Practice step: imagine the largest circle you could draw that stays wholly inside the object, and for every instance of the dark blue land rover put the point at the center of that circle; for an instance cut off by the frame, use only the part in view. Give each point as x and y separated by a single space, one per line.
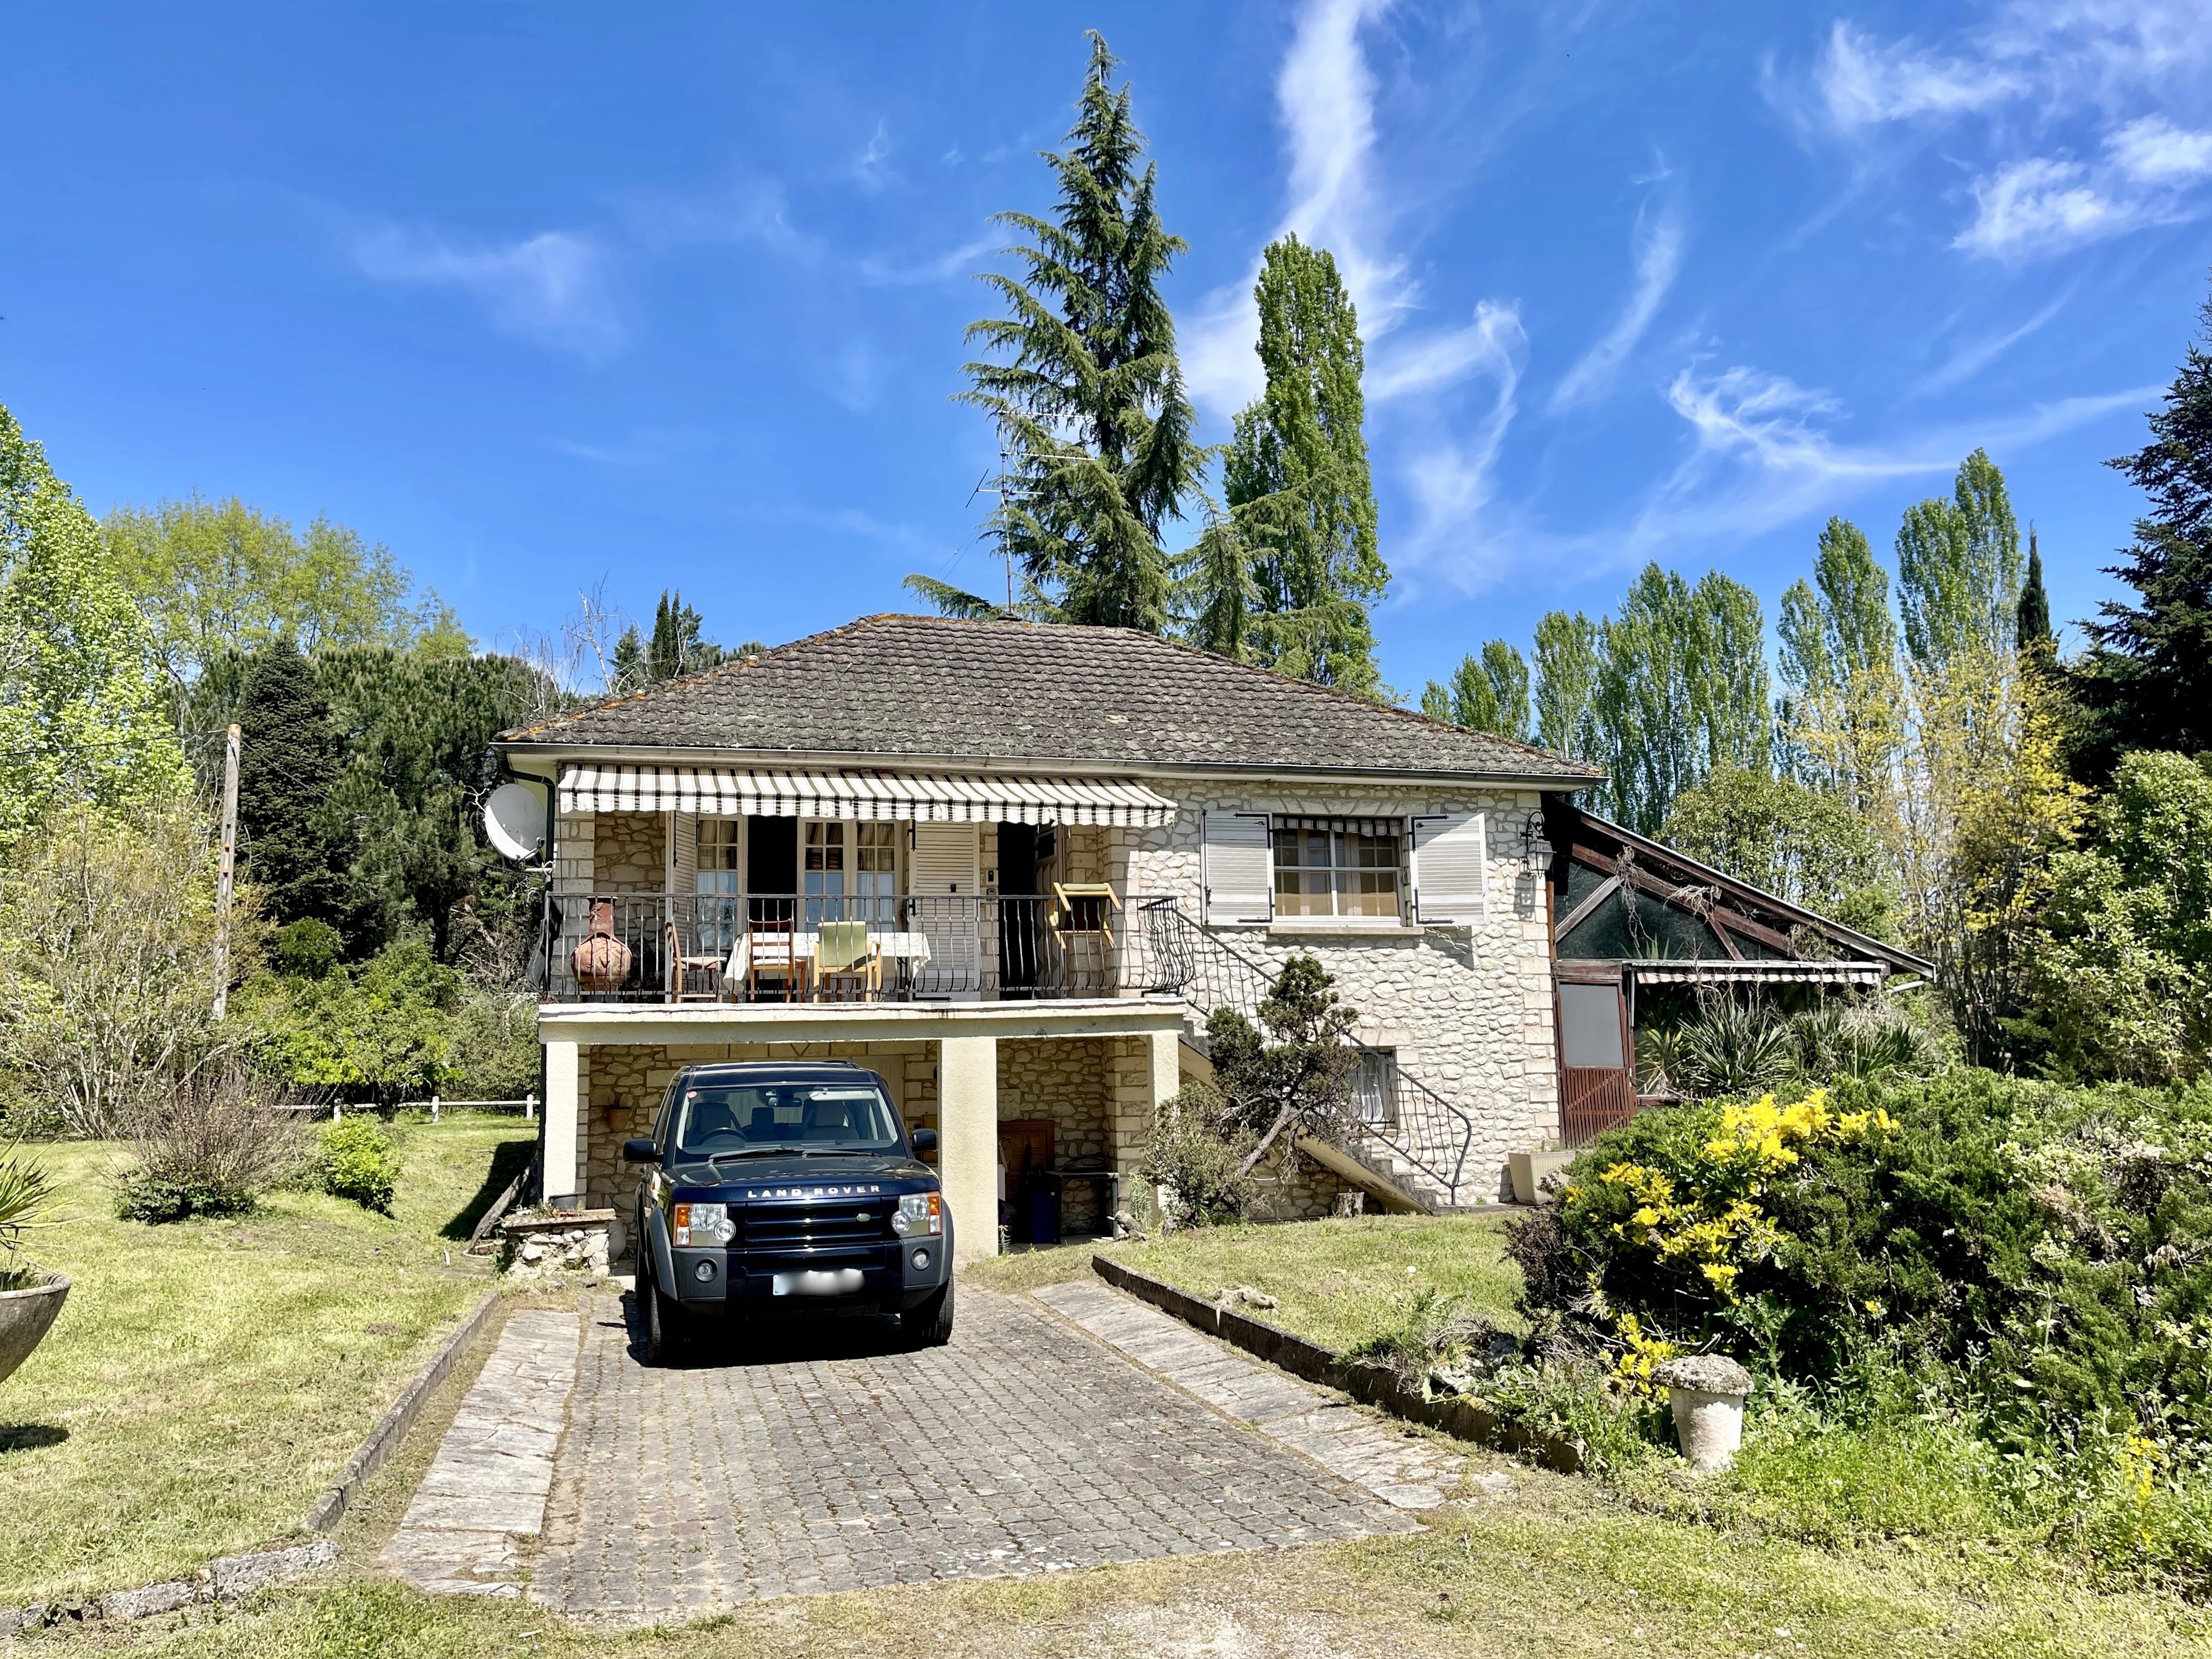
776 1188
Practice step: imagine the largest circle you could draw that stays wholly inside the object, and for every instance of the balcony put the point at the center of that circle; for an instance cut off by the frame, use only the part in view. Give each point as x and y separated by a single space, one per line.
666 948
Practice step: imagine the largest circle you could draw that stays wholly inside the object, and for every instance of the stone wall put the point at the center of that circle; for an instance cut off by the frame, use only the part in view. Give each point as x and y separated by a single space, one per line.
625 1083
1469 1010
628 853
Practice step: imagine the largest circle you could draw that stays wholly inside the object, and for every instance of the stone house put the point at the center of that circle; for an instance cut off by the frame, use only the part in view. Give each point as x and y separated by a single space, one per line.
1010 867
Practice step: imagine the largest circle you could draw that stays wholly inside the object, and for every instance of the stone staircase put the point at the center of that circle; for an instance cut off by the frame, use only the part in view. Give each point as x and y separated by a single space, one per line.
1419 1165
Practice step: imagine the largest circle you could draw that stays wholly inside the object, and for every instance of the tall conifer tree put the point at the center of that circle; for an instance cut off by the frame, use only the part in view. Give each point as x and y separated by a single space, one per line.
2031 631
1296 478
1085 384
2148 679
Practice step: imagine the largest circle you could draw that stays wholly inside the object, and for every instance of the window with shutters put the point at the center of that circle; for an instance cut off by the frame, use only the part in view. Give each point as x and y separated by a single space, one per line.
1337 867
851 869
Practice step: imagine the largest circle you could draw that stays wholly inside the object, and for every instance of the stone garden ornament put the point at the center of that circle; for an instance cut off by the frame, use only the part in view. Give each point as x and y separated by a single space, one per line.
1707 1392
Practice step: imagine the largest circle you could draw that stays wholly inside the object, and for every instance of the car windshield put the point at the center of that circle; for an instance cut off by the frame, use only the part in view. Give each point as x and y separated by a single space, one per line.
714 1120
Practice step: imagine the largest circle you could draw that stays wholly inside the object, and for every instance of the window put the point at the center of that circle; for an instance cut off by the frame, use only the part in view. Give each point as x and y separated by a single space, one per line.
731 1122
1336 868
1375 1088
851 871
716 882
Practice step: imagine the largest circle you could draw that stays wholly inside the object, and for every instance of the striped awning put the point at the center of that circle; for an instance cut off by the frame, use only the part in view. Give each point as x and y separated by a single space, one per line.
1770 970
928 797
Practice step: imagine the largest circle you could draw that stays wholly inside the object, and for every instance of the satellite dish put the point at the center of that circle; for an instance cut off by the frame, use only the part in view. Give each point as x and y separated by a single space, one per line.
514 820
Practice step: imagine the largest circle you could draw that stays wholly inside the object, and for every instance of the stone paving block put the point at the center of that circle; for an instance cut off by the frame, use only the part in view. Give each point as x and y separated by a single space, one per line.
494 1470
830 1457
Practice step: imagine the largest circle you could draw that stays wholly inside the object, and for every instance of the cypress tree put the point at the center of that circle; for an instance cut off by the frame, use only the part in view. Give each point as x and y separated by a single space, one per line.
287 770
2148 679
2032 633
1297 477
1085 387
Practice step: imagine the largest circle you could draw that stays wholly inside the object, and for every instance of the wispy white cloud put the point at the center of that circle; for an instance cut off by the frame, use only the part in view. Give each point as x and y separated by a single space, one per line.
872 168
2150 175
2119 68
552 287
890 270
1658 254
1863 82
1453 479
1325 93
1972 359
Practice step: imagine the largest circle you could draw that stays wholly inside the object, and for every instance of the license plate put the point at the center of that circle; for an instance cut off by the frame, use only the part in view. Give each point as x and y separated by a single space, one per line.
822 1281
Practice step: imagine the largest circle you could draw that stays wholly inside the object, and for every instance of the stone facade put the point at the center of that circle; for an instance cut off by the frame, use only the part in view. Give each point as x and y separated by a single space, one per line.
1469 1011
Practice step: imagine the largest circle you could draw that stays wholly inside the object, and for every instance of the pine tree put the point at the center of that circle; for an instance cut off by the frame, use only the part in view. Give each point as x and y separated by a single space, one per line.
1296 477
1086 390
2148 679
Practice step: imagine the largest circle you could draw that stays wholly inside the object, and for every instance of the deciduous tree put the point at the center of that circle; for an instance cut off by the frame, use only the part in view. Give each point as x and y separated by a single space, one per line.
1296 478
1489 693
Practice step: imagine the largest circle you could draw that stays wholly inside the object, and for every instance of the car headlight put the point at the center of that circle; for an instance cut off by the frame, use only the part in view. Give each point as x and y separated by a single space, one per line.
919 1212
703 1224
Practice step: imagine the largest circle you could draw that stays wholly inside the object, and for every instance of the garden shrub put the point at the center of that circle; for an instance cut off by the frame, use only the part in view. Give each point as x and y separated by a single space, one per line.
211 1148
358 1160
1981 1301
1197 1152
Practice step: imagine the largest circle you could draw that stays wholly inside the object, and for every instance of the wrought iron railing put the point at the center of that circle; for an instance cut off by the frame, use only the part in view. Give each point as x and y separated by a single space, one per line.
686 947
1418 1126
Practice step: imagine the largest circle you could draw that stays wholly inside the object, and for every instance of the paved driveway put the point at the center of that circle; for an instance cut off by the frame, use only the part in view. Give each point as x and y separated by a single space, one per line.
827 1459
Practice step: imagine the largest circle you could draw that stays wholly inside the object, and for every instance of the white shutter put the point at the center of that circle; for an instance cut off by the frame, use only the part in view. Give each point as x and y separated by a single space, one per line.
1239 871
948 859
681 863
1451 869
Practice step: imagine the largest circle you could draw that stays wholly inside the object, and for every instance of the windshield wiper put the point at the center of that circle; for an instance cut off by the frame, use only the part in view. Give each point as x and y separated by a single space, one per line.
843 1151
751 1152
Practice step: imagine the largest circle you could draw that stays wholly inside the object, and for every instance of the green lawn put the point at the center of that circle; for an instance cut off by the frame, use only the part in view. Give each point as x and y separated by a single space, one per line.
1551 1571
1340 1282
208 1379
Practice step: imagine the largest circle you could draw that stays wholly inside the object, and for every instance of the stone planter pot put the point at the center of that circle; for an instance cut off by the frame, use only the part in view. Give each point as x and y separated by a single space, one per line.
600 962
1706 1393
25 1318
1530 1169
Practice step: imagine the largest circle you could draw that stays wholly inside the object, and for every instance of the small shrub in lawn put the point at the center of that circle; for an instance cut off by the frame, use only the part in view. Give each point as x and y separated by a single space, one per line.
211 1146
358 1160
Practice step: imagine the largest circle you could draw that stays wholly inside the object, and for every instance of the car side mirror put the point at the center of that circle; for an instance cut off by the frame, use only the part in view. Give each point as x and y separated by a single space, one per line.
641 1150
925 1140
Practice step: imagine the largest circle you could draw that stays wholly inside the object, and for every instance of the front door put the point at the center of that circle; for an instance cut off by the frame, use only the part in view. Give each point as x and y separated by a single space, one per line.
1597 1078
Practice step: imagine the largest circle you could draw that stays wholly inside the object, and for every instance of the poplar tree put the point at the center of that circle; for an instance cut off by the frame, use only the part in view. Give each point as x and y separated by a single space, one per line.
1958 567
1842 715
1296 477
1566 685
1489 693
1085 384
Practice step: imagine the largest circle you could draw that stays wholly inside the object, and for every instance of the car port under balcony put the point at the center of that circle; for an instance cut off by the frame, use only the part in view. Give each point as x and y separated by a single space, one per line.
1063 1090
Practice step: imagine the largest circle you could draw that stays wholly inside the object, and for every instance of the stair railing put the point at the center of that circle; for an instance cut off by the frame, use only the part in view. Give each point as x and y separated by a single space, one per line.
1434 1138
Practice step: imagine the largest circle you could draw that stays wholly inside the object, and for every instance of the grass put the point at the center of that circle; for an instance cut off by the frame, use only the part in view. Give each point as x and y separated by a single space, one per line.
1550 1571
208 1379
1340 1282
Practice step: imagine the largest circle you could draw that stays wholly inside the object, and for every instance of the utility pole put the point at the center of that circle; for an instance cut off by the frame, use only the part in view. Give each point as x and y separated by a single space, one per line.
225 868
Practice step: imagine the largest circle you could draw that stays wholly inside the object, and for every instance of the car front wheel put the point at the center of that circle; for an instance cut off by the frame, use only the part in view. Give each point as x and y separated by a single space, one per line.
666 1331
930 1325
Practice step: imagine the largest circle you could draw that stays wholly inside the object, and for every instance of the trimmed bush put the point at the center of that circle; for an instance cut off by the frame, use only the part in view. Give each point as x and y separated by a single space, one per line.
358 1160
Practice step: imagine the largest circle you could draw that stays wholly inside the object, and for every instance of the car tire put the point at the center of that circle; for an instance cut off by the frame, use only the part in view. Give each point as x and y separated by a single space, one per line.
930 1324
667 1331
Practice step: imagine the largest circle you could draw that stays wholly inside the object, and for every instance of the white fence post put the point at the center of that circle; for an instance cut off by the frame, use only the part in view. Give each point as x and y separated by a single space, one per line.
433 1108
530 1107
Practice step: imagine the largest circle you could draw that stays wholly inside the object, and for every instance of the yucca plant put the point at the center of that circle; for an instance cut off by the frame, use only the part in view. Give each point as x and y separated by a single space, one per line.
26 1193
1734 1048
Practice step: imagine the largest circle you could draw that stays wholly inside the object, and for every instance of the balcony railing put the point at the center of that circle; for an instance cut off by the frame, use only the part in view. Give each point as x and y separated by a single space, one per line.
684 947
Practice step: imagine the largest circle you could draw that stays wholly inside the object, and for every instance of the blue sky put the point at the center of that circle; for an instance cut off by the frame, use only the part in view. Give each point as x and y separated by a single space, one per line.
546 295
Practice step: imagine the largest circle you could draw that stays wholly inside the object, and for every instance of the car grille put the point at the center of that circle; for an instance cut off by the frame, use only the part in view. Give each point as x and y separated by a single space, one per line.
816 1226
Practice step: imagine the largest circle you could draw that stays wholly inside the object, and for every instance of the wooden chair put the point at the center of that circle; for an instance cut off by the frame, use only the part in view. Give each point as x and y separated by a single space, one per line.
845 955
694 970
774 956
